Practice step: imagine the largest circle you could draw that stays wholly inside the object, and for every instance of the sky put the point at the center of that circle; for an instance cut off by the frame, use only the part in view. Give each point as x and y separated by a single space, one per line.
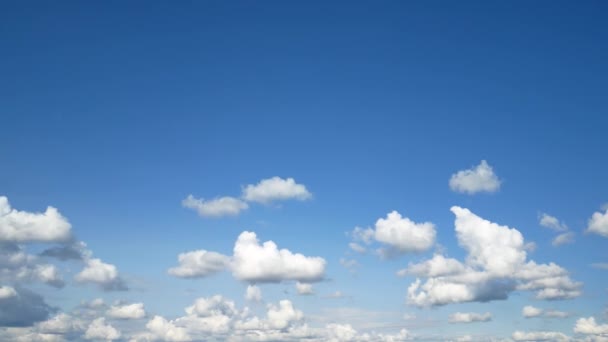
303 171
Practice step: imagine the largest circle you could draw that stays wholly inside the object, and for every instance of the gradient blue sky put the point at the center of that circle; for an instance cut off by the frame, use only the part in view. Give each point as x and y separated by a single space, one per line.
113 112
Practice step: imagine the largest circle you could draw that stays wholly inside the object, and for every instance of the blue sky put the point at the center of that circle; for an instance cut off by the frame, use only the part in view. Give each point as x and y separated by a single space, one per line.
336 114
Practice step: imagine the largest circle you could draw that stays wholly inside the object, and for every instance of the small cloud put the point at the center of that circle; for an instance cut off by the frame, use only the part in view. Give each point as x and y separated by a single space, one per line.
469 317
480 178
552 222
218 207
562 239
275 189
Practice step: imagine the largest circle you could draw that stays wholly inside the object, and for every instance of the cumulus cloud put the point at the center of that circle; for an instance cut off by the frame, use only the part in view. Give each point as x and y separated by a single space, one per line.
104 275
253 293
263 263
99 330
496 265
167 331
530 311
60 324
7 292
399 234
223 206
480 178
17 265
275 189
127 311
539 336
304 289
22 308
469 317
199 264
552 222
23 226
598 223
589 326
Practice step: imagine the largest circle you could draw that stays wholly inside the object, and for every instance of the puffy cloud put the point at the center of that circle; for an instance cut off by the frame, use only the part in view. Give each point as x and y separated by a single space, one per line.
469 317
589 326
280 316
23 309
23 226
598 223
304 289
103 274
495 266
127 311
539 336
552 222
435 267
563 239
400 234
404 235
99 330
223 206
167 331
340 332
60 324
17 265
275 189
253 293
266 263
198 264
530 311
7 292
480 178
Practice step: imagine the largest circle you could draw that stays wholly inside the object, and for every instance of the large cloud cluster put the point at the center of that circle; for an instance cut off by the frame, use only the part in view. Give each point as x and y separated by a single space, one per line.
496 265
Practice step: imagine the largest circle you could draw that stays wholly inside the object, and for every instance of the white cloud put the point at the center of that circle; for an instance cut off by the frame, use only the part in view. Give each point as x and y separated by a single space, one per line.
403 234
435 267
103 274
198 264
304 289
598 223
556 314
61 324
469 317
563 239
400 234
253 293
530 311
23 226
552 222
217 207
167 331
589 326
477 179
99 330
280 316
127 311
266 263
7 292
495 266
275 189
539 336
